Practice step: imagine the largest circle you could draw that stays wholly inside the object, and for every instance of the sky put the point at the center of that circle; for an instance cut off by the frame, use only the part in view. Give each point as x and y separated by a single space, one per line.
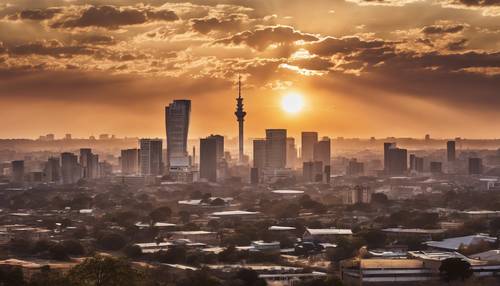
362 67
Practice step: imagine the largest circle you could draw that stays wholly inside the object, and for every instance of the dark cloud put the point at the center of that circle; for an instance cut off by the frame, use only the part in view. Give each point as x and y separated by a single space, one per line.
442 29
329 46
477 3
457 45
50 48
230 23
39 14
262 38
113 17
97 40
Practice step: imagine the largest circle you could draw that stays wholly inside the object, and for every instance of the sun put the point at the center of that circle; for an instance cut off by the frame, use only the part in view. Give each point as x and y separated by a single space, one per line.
292 102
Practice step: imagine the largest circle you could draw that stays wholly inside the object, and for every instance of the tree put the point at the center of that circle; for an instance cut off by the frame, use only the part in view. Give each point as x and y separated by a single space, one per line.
198 278
175 254
73 247
104 271
329 281
160 214
111 241
250 278
455 268
132 251
11 276
58 252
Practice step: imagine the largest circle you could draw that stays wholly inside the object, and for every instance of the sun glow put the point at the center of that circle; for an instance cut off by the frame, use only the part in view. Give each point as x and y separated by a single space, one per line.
292 102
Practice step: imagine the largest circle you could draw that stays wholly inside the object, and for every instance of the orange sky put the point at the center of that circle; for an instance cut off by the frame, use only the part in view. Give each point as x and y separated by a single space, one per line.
94 67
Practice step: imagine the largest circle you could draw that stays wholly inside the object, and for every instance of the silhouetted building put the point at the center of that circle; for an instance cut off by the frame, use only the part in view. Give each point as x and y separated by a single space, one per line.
397 160
177 126
419 164
90 163
275 148
450 150
412 162
259 154
322 151
208 159
52 170
254 176
387 146
436 167
17 171
291 153
150 155
313 171
240 116
357 195
475 166
71 171
105 169
355 168
309 139
130 161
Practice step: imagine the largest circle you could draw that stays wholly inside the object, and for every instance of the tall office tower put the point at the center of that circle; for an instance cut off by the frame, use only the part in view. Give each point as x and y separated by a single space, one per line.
419 164
412 162
397 160
53 170
276 148
17 171
387 146
89 163
475 166
254 176
355 168
322 151
436 167
313 171
291 153
219 142
208 159
450 150
150 157
259 154
177 127
240 117
71 171
130 161
309 139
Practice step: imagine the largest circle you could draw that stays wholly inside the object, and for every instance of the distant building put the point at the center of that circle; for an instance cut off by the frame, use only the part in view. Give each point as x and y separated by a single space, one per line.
357 195
52 170
395 159
254 176
312 171
259 154
67 136
208 159
436 167
309 139
71 171
276 148
450 151
322 151
150 155
355 168
129 161
419 164
412 162
177 126
291 153
17 171
475 166
89 163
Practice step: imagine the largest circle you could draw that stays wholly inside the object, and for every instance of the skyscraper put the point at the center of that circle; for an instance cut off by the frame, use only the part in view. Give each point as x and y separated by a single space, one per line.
436 167
130 161
395 159
276 148
475 166
240 116
150 157
17 171
450 150
53 170
219 142
177 127
322 151
309 139
259 154
387 146
89 163
71 171
291 153
208 159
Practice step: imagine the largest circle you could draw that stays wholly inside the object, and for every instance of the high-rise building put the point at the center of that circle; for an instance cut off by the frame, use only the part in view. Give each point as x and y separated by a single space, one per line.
150 157
130 161
259 154
397 160
450 150
208 159
419 164
17 171
355 168
177 127
53 170
67 136
322 151
412 162
276 148
309 139
219 142
475 166
312 171
90 163
71 171
240 116
291 153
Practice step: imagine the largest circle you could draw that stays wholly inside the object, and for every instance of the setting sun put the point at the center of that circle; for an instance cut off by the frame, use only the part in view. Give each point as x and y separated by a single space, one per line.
292 102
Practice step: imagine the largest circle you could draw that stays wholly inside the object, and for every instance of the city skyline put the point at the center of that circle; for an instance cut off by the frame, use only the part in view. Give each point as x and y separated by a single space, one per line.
100 68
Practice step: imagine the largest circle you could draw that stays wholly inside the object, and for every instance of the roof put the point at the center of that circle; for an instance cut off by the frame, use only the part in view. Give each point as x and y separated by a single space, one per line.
328 231
413 230
490 255
230 213
193 232
288 192
455 242
391 263
277 227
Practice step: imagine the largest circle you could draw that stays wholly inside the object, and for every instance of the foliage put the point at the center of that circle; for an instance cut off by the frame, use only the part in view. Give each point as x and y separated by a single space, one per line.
455 268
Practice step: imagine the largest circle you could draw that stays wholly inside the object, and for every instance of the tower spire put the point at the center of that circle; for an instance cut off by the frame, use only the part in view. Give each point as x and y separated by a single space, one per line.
240 117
